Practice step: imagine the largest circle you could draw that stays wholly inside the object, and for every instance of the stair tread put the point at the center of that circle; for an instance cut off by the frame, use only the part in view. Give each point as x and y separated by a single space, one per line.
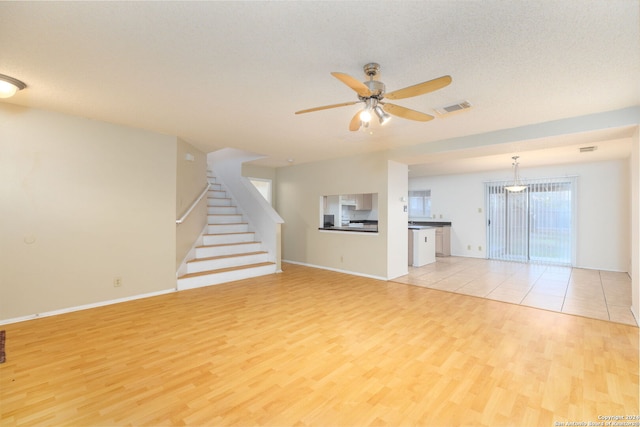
230 223
227 244
222 270
227 234
211 258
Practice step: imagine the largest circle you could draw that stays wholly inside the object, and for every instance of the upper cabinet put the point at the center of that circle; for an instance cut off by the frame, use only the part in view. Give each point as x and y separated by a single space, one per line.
364 202
348 199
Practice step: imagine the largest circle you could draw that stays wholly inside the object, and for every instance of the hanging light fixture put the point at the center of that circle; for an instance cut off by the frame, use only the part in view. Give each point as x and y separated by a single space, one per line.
517 182
9 86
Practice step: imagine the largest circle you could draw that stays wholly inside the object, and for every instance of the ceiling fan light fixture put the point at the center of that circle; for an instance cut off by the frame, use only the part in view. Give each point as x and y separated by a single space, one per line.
365 116
382 116
9 86
373 91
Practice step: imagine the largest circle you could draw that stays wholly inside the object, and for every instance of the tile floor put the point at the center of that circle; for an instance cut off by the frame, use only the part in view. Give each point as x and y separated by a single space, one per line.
597 294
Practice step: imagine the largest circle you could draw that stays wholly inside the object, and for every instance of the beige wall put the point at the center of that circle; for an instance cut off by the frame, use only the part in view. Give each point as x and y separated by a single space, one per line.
299 190
191 179
82 202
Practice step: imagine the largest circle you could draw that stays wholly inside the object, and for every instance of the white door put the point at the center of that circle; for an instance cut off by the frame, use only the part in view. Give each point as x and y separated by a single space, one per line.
535 224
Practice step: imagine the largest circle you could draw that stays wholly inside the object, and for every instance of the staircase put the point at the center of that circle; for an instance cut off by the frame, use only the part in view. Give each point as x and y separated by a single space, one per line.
229 250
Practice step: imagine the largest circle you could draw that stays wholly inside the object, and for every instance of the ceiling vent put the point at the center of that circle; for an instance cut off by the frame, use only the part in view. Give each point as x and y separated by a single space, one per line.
455 108
588 149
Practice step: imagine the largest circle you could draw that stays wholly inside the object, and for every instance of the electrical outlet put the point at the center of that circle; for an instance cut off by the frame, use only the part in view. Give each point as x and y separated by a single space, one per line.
117 282
479 210
479 248
341 258
468 247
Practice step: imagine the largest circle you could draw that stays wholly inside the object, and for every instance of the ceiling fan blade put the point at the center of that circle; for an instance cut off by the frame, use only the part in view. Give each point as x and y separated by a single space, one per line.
406 113
355 84
326 107
420 88
355 122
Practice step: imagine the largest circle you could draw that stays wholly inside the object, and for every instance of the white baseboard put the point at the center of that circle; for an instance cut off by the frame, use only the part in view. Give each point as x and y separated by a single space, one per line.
84 307
337 270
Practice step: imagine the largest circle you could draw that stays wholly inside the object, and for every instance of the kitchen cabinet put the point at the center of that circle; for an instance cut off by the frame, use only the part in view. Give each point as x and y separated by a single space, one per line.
364 202
422 246
348 199
443 241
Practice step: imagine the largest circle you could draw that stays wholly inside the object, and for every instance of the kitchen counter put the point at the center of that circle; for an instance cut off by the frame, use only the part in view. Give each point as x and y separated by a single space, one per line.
365 226
365 229
430 223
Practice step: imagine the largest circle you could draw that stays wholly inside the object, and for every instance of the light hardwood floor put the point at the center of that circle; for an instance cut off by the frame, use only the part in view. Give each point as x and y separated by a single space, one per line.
309 347
598 294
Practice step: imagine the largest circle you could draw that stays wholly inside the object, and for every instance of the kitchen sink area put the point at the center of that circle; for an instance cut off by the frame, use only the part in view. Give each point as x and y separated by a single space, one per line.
366 226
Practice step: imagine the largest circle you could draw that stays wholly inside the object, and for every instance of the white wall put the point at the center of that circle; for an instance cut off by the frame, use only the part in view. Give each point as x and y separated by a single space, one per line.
635 224
397 237
250 170
82 202
603 210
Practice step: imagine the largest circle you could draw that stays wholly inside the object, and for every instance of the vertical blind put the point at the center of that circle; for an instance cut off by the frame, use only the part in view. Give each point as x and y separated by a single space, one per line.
533 225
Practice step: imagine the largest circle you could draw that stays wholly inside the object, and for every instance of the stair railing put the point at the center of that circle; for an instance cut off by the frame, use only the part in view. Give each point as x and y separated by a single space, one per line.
193 205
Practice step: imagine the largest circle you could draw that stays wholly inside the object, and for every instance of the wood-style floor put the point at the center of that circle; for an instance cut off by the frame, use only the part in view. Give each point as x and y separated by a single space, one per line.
309 347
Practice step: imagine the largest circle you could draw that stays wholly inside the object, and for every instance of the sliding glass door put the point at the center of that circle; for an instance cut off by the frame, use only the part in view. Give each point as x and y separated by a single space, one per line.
533 225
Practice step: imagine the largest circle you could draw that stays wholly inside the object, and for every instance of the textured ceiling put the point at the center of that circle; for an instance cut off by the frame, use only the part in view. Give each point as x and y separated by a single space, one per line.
221 74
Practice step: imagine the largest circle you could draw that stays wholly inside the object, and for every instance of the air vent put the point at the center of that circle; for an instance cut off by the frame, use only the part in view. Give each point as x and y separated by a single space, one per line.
455 108
588 149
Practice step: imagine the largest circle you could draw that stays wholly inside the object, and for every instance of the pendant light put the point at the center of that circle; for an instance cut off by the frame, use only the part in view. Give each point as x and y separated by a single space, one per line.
517 183
9 86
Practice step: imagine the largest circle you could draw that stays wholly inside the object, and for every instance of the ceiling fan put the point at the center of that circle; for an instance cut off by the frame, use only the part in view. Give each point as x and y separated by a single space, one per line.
372 92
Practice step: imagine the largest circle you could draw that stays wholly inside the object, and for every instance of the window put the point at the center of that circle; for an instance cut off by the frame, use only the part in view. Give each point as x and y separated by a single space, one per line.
263 186
420 204
534 225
